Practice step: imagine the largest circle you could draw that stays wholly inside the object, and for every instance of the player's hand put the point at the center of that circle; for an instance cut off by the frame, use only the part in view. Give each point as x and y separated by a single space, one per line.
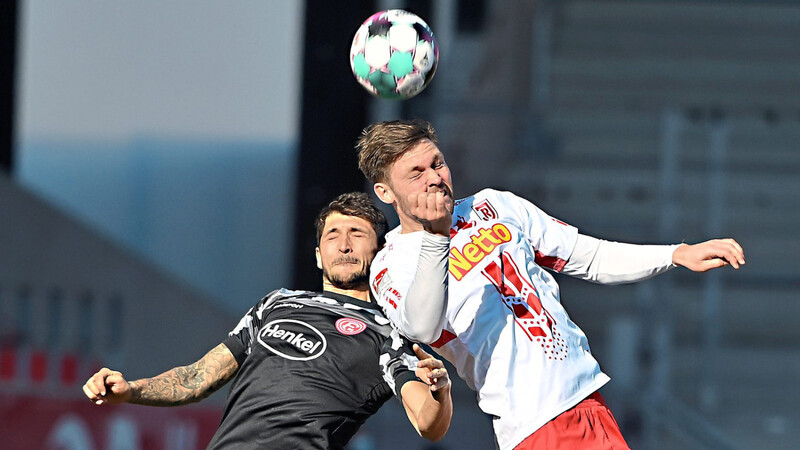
709 255
431 371
107 386
433 210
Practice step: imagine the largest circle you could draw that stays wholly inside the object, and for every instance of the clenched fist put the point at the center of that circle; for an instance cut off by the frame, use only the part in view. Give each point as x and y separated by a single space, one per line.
433 210
107 386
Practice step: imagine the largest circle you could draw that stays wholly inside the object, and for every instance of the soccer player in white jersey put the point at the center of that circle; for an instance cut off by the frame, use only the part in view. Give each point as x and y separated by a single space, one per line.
468 276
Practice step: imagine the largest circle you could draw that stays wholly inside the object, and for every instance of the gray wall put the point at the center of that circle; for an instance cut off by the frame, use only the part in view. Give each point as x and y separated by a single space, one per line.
115 309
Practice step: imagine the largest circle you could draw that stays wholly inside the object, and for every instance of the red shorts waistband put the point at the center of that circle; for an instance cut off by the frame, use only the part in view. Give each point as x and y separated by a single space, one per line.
594 399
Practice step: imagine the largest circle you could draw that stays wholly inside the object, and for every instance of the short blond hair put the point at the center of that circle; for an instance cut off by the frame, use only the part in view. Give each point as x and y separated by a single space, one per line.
383 143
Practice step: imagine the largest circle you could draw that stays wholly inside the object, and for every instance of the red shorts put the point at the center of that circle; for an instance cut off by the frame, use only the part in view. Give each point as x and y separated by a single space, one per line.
587 425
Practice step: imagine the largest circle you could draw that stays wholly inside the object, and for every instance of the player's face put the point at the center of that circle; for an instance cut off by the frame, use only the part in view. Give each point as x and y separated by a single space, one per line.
421 169
346 249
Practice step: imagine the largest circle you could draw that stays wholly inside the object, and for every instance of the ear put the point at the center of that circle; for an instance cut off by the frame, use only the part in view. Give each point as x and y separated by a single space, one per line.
384 193
319 260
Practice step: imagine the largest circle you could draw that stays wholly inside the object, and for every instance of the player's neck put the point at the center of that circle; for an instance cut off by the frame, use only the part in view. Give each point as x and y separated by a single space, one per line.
360 293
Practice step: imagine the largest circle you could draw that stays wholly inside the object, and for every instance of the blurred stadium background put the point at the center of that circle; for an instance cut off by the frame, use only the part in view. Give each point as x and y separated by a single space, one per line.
162 163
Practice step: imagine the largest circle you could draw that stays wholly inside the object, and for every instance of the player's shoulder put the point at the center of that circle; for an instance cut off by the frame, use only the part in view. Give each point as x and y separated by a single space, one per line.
345 305
397 242
484 194
485 201
284 294
391 236
288 293
396 343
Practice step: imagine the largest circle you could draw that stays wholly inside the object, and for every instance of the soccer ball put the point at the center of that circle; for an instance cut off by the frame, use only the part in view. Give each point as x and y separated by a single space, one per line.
394 54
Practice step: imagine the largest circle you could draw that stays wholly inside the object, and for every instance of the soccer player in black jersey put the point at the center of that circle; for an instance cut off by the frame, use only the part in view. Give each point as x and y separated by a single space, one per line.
308 368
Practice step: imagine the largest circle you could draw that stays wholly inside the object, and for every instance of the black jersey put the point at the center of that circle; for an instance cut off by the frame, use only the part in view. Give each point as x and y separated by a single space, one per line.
312 368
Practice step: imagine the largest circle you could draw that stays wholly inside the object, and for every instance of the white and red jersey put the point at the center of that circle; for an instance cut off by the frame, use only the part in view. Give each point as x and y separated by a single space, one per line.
506 331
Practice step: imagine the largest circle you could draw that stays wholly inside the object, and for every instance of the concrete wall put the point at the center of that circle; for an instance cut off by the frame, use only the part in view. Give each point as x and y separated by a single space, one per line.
65 290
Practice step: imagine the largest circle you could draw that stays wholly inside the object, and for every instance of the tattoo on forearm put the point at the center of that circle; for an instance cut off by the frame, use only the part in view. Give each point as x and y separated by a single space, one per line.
187 384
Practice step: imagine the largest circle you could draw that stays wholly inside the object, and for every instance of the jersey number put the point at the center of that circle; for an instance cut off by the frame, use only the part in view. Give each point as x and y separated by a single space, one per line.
520 297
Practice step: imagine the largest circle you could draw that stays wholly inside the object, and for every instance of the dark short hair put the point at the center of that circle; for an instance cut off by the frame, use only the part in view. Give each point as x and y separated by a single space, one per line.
383 143
355 204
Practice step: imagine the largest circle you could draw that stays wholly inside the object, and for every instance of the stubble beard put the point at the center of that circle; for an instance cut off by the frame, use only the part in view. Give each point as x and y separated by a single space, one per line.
349 281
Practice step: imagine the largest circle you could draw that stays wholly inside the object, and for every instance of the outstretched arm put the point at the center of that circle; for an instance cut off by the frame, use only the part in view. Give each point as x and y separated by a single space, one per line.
609 262
428 405
178 386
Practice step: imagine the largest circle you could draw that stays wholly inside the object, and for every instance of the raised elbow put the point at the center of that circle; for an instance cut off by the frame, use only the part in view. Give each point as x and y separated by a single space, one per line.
424 335
433 433
424 329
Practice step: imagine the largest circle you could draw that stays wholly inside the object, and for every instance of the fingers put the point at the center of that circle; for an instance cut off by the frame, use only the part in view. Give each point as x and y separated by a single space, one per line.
92 396
429 206
421 353
115 382
426 360
727 250
438 379
710 264
434 372
711 255
736 245
438 203
96 388
736 256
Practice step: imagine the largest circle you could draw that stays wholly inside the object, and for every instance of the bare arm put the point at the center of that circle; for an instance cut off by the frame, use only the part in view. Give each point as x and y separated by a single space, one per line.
428 405
178 386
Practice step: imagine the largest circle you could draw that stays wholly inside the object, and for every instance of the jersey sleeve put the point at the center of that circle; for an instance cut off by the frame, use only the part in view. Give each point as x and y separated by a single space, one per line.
409 282
398 362
607 262
551 239
240 340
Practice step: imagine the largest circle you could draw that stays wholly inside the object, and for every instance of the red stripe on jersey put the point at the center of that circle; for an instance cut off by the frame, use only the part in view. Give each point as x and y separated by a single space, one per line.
443 339
551 262
376 283
510 271
495 275
525 293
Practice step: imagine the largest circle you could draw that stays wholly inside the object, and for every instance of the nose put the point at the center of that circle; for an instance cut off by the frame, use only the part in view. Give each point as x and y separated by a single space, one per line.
345 245
434 178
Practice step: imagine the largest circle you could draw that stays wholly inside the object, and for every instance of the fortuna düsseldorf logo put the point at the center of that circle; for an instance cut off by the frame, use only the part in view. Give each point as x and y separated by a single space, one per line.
293 339
349 326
